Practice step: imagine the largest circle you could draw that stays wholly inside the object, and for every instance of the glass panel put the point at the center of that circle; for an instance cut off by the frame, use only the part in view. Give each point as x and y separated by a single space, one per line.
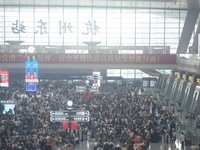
164 71
174 86
126 51
68 26
57 26
185 96
142 27
2 2
41 26
140 74
85 3
57 2
127 73
99 3
85 22
172 29
99 16
113 72
179 91
114 3
43 2
194 101
157 27
128 27
27 2
13 2
27 18
71 2
1 26
113 27
13 24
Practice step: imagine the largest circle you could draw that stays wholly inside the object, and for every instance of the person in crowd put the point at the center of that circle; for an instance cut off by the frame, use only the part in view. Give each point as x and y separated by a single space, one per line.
120 118
182 139
199 147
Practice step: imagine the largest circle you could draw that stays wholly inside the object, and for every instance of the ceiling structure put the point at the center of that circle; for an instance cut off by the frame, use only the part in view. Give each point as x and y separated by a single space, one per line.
159 4
189 5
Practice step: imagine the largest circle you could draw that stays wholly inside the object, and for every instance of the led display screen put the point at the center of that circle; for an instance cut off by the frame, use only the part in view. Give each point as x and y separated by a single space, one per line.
30 87
31 72
8 107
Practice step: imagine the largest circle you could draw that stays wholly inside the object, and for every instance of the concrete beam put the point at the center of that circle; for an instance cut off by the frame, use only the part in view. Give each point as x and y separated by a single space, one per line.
188 28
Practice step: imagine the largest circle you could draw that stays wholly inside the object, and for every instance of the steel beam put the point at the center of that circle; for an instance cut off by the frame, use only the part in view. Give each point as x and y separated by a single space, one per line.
188 28
194 47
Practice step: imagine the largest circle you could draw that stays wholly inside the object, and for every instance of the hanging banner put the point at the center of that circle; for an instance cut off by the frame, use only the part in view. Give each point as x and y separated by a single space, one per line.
65 125
74 125
92 58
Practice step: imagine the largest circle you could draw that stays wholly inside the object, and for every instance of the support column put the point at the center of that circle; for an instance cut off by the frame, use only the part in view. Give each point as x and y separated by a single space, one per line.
188 28
194 48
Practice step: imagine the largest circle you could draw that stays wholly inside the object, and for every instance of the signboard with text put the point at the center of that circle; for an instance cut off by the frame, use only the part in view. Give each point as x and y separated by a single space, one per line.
31 87
92 58
70 115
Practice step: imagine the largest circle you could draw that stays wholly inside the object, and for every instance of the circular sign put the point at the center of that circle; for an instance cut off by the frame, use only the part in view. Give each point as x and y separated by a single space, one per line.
31 49
69 103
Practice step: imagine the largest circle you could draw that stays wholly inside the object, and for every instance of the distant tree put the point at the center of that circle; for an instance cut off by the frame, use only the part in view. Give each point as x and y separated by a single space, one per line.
1 108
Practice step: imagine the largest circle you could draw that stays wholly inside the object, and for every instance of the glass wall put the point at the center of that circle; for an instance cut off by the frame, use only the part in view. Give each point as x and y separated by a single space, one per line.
72 23
133 73
127 73
111 26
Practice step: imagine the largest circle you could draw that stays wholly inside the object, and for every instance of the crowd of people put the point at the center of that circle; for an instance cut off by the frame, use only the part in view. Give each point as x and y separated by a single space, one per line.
130 120
121 117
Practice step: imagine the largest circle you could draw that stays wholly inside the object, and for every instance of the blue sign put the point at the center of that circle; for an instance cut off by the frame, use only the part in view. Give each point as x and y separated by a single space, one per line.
31 88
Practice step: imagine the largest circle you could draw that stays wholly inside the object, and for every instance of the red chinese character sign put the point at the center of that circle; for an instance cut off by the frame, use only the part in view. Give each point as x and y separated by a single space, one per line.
87 95
92 58
65 125
74 125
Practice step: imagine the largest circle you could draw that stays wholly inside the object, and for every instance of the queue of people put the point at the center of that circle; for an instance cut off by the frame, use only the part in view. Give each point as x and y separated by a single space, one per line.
120 118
